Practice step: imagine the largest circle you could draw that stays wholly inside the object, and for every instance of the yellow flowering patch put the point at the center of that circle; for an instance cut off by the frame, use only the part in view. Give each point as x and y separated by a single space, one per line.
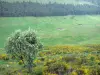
4 57
74 73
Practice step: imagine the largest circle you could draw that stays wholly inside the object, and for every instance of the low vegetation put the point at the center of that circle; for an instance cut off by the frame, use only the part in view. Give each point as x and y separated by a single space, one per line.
71 46
58 60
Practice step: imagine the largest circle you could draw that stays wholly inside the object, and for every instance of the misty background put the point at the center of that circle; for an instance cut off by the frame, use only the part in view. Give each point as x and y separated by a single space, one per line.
49 7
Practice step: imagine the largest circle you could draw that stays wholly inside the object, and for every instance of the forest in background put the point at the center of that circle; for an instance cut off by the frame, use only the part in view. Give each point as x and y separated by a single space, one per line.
50 9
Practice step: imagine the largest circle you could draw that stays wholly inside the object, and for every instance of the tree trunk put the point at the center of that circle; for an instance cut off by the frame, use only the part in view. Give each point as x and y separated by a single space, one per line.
30 64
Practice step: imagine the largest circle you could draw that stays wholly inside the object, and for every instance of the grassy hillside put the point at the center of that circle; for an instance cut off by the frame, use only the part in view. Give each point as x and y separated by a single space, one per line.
55 30
57 1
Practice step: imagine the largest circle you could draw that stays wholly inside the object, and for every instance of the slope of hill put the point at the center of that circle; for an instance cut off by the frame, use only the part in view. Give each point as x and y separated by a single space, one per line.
59 30
75 2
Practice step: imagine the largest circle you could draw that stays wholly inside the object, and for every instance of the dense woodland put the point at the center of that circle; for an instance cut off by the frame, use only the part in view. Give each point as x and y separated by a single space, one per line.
51 9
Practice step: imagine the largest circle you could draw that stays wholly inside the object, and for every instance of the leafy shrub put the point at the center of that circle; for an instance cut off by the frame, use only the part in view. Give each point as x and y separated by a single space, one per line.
74 73
69 58
20 62
4 57
57 67
38 70
23 45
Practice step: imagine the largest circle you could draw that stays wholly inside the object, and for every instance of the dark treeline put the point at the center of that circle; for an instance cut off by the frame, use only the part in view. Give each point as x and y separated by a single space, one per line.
51 9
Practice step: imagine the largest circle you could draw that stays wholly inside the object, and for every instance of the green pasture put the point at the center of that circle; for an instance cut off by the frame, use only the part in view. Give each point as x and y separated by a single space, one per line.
58 30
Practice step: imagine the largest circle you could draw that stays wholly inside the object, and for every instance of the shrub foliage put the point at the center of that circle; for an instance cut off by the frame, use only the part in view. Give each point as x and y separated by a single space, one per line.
24 46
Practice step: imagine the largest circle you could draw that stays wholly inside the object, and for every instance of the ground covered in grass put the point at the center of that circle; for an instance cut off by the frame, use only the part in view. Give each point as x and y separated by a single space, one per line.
57 60
71 45
60 30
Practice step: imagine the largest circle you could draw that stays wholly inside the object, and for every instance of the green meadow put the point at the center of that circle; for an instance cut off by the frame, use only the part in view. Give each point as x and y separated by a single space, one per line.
71 45
58 30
